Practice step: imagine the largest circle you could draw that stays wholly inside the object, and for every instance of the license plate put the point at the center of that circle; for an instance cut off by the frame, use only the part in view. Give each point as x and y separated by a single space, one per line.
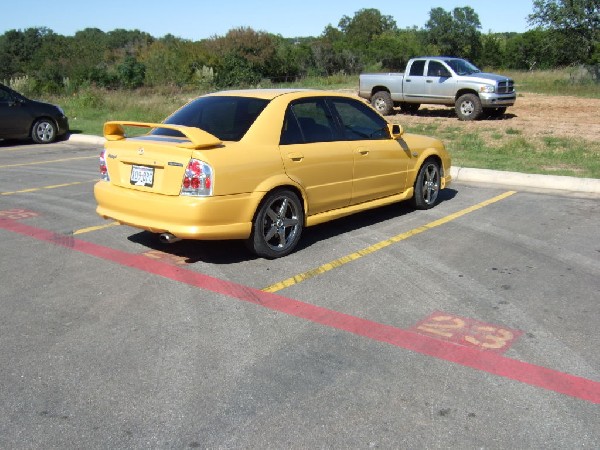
142 176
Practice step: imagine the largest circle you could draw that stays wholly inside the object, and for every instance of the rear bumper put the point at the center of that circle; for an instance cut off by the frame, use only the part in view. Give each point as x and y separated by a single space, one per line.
205 218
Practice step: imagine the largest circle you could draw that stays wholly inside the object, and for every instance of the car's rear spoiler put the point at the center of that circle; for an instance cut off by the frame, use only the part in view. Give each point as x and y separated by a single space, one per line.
114 131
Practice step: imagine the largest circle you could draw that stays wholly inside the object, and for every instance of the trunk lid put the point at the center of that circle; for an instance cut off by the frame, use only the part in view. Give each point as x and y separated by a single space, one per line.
152 163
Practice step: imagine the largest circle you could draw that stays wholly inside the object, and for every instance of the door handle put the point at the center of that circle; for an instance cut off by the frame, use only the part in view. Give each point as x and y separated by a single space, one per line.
429 81
295 156
362 151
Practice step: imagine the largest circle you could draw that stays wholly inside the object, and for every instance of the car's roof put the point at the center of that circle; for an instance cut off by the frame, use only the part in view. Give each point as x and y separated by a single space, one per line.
444 58
270 94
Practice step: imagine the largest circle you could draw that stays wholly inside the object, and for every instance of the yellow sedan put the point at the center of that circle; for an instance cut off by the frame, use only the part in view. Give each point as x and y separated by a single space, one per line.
261 165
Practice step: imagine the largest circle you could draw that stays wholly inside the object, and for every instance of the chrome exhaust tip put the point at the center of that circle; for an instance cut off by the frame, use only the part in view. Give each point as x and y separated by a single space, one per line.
168 238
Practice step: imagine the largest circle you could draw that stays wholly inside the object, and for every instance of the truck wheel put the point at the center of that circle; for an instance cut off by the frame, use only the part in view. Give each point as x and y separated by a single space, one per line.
468 107
382 102
410 108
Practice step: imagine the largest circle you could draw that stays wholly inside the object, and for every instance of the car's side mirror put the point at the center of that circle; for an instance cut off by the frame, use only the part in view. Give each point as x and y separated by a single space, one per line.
396 130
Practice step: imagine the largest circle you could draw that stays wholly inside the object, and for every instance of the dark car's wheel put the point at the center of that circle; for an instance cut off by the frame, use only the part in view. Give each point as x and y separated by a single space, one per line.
468 107
43 131
277 225
427 185
382 102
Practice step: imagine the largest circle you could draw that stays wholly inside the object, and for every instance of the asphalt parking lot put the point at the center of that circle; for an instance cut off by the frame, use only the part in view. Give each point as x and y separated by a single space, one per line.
471 325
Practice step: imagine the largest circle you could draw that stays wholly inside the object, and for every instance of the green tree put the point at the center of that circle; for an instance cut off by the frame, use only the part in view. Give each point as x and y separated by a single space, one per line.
250 54
392 50
574 26
18 49
455 33
131 73
364 38
173 61
365 25
492 50
530 50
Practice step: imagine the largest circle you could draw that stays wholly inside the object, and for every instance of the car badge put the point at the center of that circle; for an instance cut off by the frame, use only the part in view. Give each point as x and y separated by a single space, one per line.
141 151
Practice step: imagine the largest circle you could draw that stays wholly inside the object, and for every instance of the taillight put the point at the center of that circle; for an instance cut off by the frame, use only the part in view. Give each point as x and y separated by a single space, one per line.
198 179
103 169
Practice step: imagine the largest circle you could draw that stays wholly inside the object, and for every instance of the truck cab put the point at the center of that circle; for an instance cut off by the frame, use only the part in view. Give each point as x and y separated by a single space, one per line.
440 80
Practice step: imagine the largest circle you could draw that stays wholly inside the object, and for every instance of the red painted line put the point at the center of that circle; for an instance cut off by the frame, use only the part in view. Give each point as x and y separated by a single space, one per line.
490 362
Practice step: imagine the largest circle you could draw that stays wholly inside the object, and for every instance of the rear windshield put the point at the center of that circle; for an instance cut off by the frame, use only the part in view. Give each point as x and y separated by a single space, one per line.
227 118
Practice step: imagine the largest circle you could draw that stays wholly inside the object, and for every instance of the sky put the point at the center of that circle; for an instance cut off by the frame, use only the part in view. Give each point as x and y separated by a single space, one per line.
201 19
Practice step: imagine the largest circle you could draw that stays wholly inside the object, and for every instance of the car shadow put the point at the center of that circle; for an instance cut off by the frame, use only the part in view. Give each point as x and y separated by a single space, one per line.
234 251
13 142
29 141
449 113
315 235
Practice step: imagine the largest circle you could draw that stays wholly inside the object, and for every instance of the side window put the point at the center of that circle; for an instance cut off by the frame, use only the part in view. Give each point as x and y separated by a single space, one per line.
312 118
359 121
417 68
5 97
437 69
290 134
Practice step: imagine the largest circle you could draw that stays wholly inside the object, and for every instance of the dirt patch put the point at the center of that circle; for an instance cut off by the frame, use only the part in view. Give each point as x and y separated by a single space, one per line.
533 115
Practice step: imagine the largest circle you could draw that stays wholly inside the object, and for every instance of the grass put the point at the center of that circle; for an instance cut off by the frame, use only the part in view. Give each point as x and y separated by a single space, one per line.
89 109
573 81
484 148
510 151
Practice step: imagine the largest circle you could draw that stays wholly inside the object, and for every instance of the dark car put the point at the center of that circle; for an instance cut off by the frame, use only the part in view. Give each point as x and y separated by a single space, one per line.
22 118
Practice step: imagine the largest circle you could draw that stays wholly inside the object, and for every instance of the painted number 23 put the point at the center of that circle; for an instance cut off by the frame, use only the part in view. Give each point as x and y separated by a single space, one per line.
480 335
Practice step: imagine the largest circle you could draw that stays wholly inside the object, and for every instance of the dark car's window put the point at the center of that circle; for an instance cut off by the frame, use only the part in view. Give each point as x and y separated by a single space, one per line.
359 121
5 96
417 68
437 69
227 118
308 120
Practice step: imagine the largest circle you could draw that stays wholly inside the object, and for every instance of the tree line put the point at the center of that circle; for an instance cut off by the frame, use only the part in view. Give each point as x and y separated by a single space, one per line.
566 32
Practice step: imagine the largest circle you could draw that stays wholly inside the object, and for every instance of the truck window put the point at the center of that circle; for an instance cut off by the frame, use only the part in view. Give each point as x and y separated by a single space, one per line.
417 68
437 69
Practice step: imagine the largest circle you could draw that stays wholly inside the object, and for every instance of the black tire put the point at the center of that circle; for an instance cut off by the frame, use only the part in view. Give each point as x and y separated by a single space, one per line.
410 108
277 225
427 185
43 131
468 107
382 102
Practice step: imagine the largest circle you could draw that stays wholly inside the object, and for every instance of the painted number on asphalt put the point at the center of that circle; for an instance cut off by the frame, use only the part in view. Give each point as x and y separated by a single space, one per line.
166 257
17 214
467 332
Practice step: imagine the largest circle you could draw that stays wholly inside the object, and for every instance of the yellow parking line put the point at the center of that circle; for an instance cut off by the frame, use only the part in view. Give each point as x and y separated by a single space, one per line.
46 162
96 228
22 191
373 248
47 187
